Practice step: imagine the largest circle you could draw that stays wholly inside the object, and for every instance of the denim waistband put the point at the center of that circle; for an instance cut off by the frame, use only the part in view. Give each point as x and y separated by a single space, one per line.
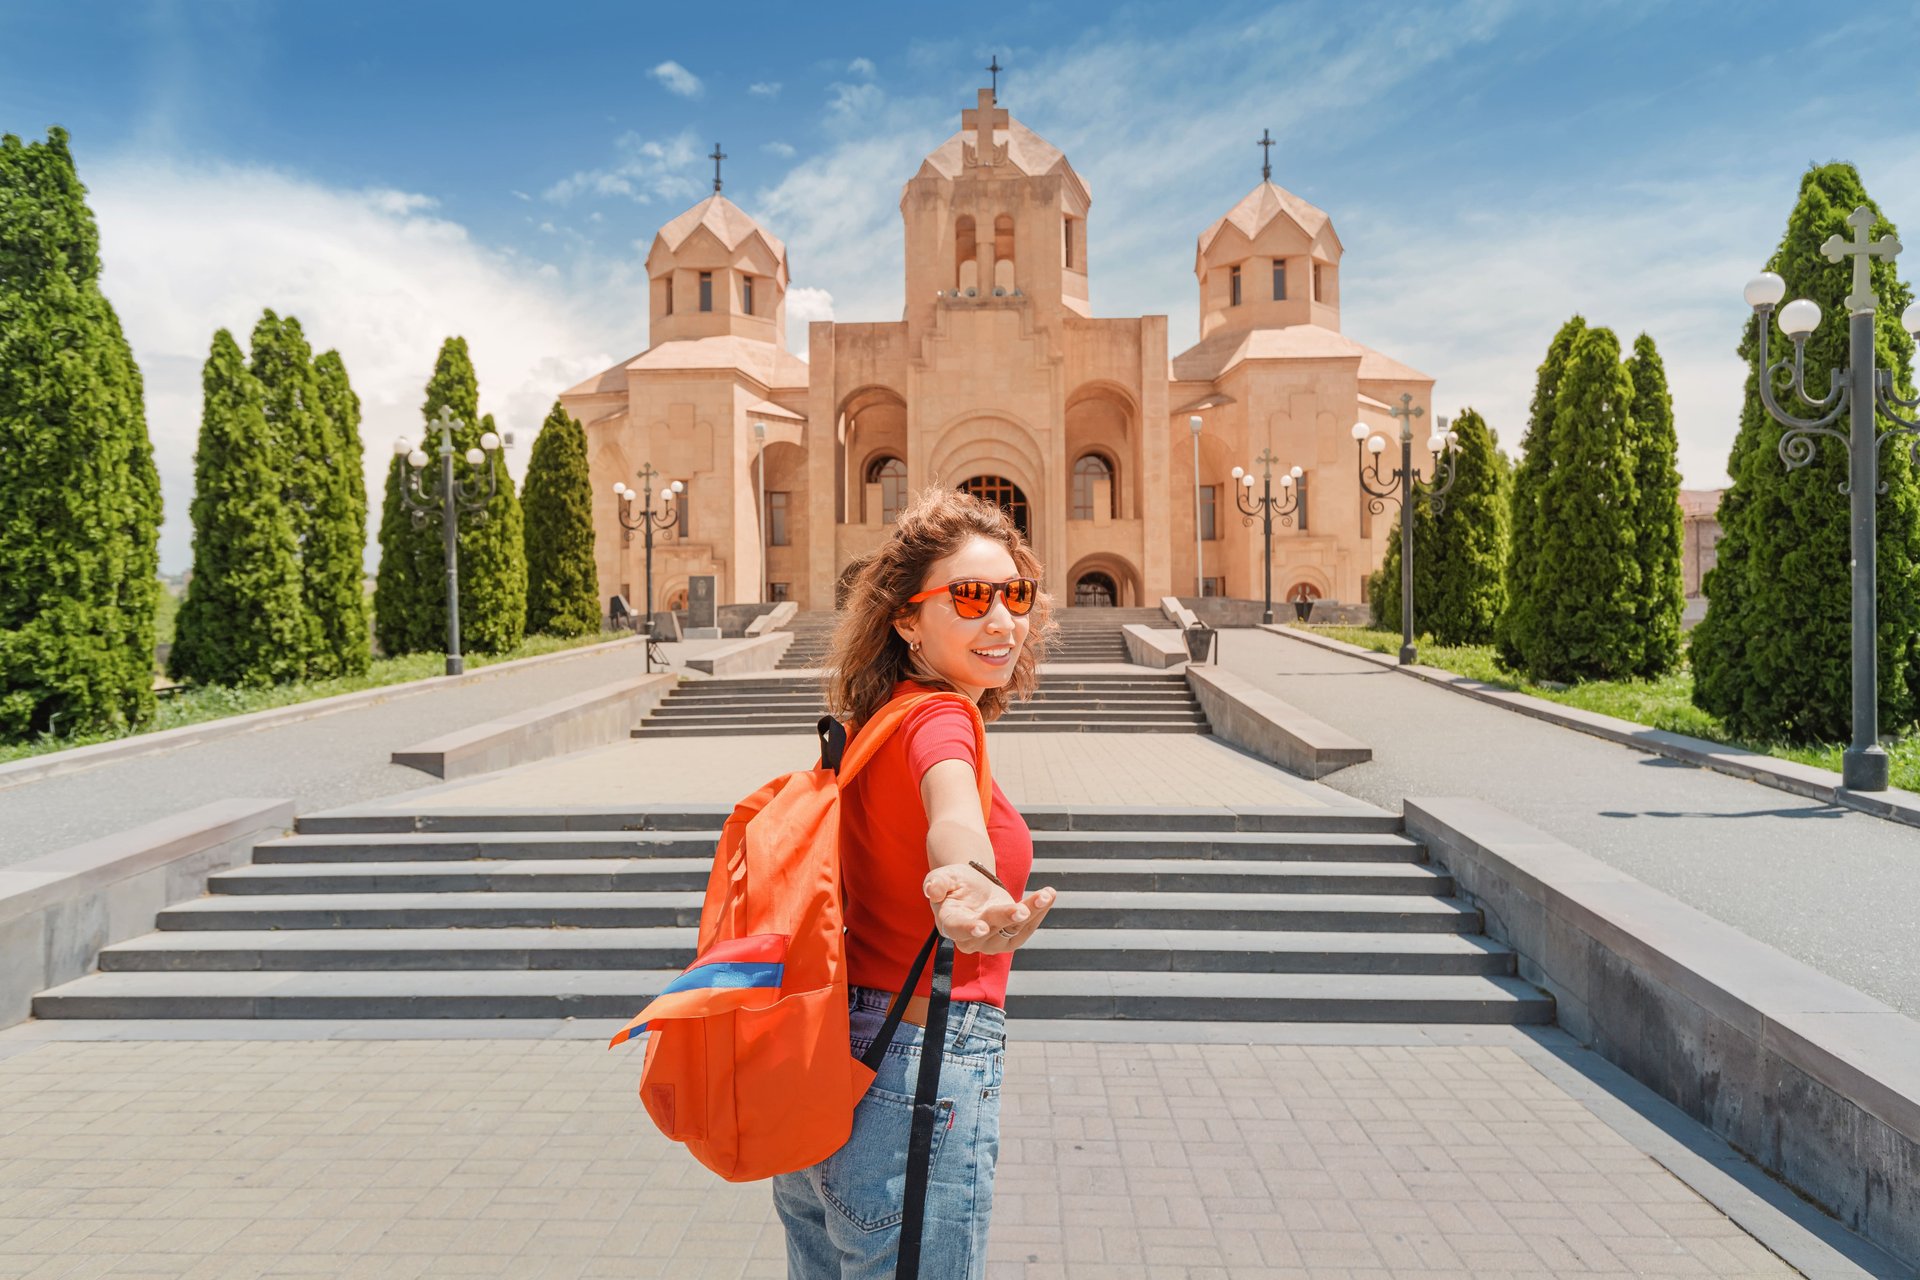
965 1018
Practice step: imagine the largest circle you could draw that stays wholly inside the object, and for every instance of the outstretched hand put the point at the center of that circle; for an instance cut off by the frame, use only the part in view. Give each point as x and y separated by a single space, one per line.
976 914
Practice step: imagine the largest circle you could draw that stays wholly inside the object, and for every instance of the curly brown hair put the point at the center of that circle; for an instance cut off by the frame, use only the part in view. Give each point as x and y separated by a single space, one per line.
868 656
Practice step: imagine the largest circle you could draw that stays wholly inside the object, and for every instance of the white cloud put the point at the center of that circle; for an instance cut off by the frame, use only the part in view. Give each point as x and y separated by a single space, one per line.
804 306
400 202
764 89
861 67
644 170
784 150
192 249
854 102
678 80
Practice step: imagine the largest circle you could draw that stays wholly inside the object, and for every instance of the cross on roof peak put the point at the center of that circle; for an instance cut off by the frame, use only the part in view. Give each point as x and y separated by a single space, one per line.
717 155
996 69
983 118
1266 155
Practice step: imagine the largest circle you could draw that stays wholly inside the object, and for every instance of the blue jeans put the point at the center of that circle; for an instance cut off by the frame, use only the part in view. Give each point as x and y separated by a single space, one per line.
843 1215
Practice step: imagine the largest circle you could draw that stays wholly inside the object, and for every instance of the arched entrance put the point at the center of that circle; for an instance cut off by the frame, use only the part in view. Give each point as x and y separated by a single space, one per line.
1000 490
1095 590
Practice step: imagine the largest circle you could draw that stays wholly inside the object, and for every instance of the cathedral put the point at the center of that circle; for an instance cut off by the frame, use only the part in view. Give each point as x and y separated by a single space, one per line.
1113 455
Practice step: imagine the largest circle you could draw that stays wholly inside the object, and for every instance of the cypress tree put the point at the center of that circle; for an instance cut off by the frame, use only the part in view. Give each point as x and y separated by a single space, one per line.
1659 533
563 596
282 364
242 621
1586 576
337 548
410 600
1772 656
79 495
1459 555
1519 621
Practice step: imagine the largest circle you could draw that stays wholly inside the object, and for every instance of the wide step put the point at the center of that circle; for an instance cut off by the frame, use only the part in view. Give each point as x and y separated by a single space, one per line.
595 993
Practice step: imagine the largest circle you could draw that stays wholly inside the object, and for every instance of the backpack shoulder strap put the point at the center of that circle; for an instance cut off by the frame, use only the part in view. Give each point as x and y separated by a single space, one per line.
874 734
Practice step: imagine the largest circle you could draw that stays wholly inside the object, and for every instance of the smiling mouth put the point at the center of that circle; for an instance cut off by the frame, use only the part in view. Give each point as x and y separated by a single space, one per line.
1000 652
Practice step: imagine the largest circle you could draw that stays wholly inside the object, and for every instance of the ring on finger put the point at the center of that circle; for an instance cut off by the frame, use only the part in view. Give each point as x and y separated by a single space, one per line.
1010 933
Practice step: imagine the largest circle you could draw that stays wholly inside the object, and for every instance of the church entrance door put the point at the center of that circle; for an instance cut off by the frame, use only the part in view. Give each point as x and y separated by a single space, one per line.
999 489
1095 590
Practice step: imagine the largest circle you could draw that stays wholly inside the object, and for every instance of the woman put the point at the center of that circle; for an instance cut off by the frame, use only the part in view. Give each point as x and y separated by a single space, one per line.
951 602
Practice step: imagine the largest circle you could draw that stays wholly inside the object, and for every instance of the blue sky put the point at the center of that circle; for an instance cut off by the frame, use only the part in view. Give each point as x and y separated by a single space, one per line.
392 173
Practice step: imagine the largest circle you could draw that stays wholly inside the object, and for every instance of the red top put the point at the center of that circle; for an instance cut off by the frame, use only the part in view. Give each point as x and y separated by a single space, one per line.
883 851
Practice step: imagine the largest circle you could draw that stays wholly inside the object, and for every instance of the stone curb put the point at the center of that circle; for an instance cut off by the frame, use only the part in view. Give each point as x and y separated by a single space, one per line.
74 759
1150 647
58 910
1254 720
1752 766
589 719
1816 1082
743 657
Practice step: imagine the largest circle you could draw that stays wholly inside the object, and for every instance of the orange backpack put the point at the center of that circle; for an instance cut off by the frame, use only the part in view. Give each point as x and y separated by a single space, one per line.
748 1063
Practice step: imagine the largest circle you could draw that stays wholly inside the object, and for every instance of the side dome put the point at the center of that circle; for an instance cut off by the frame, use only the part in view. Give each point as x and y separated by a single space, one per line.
1270 261
714 271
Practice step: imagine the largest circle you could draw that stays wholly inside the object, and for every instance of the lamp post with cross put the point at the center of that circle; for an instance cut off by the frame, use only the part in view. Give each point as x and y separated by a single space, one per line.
647 520
1859 391
1398 487
1268 508
456 496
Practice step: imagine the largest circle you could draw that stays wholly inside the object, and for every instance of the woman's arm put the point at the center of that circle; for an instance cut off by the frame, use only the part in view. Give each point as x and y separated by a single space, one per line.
968 907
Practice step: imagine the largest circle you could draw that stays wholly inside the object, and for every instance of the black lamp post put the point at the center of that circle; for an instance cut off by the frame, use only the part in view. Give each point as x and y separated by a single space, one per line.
1267 507
1858 390
455 497
647 520
1398 487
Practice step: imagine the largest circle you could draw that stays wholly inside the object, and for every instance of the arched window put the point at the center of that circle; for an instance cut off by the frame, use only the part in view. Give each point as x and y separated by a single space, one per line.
891 475
1090 468
1005 493
1095 590
966 249
1003 252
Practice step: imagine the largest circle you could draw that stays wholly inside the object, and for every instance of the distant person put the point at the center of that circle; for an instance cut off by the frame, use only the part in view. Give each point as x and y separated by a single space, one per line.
951 602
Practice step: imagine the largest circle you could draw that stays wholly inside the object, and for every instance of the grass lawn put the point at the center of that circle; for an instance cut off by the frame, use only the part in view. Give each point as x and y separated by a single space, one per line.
1665 703
215 702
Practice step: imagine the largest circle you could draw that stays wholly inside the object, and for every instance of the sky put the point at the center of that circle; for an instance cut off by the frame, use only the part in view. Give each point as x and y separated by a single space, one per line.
393 173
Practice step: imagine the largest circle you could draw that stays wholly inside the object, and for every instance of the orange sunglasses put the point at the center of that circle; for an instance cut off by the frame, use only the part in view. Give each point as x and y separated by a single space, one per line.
973 597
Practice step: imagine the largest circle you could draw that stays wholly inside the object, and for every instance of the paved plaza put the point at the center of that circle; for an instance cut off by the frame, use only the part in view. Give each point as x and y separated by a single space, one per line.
1831 887
1384 1153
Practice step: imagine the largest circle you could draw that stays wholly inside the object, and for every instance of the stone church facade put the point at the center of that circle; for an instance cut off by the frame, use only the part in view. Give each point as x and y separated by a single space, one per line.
997 378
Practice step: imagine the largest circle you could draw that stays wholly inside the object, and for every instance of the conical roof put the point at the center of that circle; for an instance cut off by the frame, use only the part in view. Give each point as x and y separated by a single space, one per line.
728 222
1259 207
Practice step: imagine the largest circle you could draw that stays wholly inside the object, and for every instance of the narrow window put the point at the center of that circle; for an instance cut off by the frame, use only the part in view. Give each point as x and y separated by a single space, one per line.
1066 230
891 475
1300 516
777 518
746 294
1091 468
1209 499
680 512
1319 285
1279 280
1234 283
706 290
669 310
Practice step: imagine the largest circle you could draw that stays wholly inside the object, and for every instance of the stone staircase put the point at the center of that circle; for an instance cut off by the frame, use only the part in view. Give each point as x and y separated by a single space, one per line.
812 636
1090 634
1125 700
1187 914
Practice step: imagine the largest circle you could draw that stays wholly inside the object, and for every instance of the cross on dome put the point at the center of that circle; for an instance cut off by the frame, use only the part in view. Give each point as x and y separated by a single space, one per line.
717 155
1266 155
983 119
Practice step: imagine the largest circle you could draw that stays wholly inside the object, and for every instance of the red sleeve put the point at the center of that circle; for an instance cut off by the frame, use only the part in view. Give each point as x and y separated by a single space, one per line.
934 731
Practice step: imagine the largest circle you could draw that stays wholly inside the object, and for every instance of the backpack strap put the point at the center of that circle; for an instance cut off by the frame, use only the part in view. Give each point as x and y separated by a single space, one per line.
873 735
926 1111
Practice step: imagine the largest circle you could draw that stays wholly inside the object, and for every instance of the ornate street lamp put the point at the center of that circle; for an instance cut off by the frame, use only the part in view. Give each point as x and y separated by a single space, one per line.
1267 507
647 520
1858 390
1398 487
455 497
